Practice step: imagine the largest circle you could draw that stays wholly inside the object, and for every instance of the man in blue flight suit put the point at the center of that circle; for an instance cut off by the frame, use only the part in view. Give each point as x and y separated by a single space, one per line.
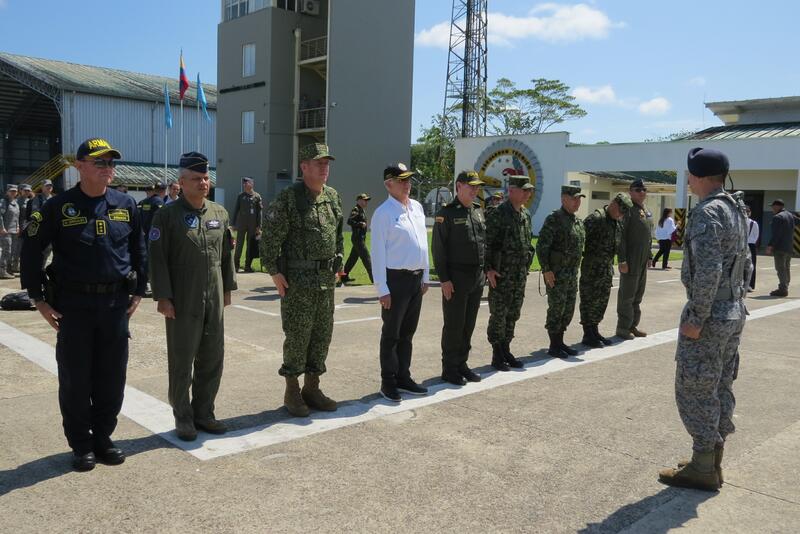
91 289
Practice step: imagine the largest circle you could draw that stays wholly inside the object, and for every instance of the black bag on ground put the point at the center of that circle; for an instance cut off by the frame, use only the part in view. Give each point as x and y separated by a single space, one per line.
17 301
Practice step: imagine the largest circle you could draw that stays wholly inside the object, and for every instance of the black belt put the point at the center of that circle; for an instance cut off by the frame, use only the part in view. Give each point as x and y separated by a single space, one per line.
92 289
311 265
405 271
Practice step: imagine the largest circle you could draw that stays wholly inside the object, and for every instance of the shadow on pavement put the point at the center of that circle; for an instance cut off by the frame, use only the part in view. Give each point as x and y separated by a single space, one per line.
360 300
629 514
56 465
264 298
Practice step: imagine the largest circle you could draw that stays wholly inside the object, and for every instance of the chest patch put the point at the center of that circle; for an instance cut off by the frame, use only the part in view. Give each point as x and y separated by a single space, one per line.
100 227
69 211
155 234
213 225
119 215
75 221
191 220
460 221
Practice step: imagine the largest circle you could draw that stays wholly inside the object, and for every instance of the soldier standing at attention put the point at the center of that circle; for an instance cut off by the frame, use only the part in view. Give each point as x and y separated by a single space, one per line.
597 267
780 246
358 236
716 267
247 223
560 247
98 262
634 256
192 276
508 258
302 250
459 242
9 233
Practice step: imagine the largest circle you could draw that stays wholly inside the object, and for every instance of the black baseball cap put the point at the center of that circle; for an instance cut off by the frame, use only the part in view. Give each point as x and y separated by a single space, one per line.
96 147
397 170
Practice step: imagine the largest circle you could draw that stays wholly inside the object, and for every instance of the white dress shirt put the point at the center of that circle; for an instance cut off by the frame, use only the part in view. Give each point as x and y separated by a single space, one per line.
665 232
752 234
399 241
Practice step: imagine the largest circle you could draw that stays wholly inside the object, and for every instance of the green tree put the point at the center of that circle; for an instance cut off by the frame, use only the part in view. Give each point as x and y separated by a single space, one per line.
434 155
514 111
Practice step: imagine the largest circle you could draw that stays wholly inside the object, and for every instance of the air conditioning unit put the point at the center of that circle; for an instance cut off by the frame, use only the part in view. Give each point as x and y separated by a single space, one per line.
310 7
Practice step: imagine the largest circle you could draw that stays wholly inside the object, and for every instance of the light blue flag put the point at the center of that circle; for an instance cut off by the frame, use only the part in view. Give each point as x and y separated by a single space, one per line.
201 97
167 112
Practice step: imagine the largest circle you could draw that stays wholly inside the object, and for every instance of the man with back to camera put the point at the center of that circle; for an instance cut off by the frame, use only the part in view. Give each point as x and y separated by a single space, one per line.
98 263
780 246
715 270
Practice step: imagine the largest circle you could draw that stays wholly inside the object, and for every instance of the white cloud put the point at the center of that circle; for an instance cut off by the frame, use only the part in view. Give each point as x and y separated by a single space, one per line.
549 22
697 81
655 106
598 95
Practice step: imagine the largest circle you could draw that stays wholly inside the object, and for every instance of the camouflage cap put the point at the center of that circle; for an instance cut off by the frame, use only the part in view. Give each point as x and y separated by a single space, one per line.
469 177
363 196
315 151
624 201
572 190
521 181
497 194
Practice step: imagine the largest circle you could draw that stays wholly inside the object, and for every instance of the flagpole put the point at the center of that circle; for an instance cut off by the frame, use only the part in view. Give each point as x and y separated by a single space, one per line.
181 126
198 123
166 151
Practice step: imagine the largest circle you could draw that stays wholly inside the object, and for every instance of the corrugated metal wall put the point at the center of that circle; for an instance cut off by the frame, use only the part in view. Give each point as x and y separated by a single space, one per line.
136 127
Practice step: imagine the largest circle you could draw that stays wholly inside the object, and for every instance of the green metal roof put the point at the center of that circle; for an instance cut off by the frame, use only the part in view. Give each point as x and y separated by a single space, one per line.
747 131
140 175
658 177
109 82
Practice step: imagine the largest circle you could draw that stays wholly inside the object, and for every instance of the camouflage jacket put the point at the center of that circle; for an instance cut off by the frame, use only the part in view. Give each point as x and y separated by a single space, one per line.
560 242
302 236
508 239
602 237
716 265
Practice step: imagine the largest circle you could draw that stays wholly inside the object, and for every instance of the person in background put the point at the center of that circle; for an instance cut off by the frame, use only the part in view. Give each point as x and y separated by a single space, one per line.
752 243
173 193
666 226
780 245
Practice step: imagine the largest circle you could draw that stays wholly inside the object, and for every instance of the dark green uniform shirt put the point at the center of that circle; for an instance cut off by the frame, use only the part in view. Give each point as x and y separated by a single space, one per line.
358 223
561 239
459 239
247 213
636 237
190 254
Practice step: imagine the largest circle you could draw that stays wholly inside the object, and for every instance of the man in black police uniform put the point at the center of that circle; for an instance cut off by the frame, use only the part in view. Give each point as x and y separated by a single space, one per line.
459 242
98 263
150 205
358 223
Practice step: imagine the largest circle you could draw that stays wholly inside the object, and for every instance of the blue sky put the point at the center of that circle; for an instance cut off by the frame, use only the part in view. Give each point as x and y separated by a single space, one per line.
641 68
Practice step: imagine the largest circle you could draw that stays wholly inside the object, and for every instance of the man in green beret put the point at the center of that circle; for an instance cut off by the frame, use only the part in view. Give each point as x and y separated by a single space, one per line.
597 267
509 253
302 248
560 247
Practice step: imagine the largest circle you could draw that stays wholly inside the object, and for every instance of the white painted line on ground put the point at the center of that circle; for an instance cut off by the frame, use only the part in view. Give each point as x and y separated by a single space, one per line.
156 416
668 281
348 321
254 310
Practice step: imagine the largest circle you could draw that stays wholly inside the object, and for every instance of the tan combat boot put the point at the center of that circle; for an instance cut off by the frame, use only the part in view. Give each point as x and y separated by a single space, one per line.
699 473
314 397
292 399
718 451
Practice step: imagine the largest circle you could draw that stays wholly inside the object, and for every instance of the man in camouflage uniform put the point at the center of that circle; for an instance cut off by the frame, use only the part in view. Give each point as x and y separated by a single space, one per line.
716 267
9 233
597 267
508 258
192 276
302 248
559 248
634 257
493 201
459 245
358 237
247 223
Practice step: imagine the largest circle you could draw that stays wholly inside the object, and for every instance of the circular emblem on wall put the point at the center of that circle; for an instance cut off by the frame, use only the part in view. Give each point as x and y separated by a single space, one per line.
506 157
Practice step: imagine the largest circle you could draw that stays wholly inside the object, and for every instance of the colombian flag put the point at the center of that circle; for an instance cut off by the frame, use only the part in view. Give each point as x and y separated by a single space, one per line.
183 82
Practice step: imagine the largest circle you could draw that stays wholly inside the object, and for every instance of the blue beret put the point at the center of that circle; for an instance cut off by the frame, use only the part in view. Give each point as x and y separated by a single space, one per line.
707 162
194 161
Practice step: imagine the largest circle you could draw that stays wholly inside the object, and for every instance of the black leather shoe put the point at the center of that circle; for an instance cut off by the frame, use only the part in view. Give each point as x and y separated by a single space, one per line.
390 393
409 386
110 456
84 462
469 375
453 377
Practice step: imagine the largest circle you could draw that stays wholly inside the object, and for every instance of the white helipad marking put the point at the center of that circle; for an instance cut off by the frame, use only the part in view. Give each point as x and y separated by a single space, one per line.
156 415
254 310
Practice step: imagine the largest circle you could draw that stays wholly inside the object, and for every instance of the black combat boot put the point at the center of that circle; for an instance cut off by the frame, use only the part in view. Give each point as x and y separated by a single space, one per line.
566 348
498 358
598 335
555 346
590 338
510 359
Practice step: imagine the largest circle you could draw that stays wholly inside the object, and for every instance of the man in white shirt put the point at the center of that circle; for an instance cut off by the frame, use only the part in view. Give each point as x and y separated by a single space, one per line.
752 242
173 193
401 272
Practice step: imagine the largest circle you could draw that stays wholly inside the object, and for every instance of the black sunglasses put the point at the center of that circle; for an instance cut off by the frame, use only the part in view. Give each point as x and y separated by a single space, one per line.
639 190
102 163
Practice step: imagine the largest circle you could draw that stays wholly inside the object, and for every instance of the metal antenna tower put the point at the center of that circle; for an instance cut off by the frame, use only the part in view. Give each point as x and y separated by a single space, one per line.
465 89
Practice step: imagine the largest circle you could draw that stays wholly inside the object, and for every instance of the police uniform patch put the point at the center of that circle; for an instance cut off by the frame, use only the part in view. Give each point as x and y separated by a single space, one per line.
75 221
36 216
119 215
146 207
33 229
440 219
100 227
459 221
155 233
213 225
191 220
69 211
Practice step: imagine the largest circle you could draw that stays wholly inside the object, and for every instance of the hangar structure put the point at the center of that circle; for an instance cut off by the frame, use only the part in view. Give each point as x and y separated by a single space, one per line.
47 108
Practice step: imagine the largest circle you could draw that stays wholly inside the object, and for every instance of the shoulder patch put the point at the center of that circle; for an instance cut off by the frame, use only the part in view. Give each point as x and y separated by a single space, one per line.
155 234
37 216
33 229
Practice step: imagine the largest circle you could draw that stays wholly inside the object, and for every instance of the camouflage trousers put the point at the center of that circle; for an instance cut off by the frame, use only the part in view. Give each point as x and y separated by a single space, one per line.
561 301
505 304
595 286
706 368
9 253
307 318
